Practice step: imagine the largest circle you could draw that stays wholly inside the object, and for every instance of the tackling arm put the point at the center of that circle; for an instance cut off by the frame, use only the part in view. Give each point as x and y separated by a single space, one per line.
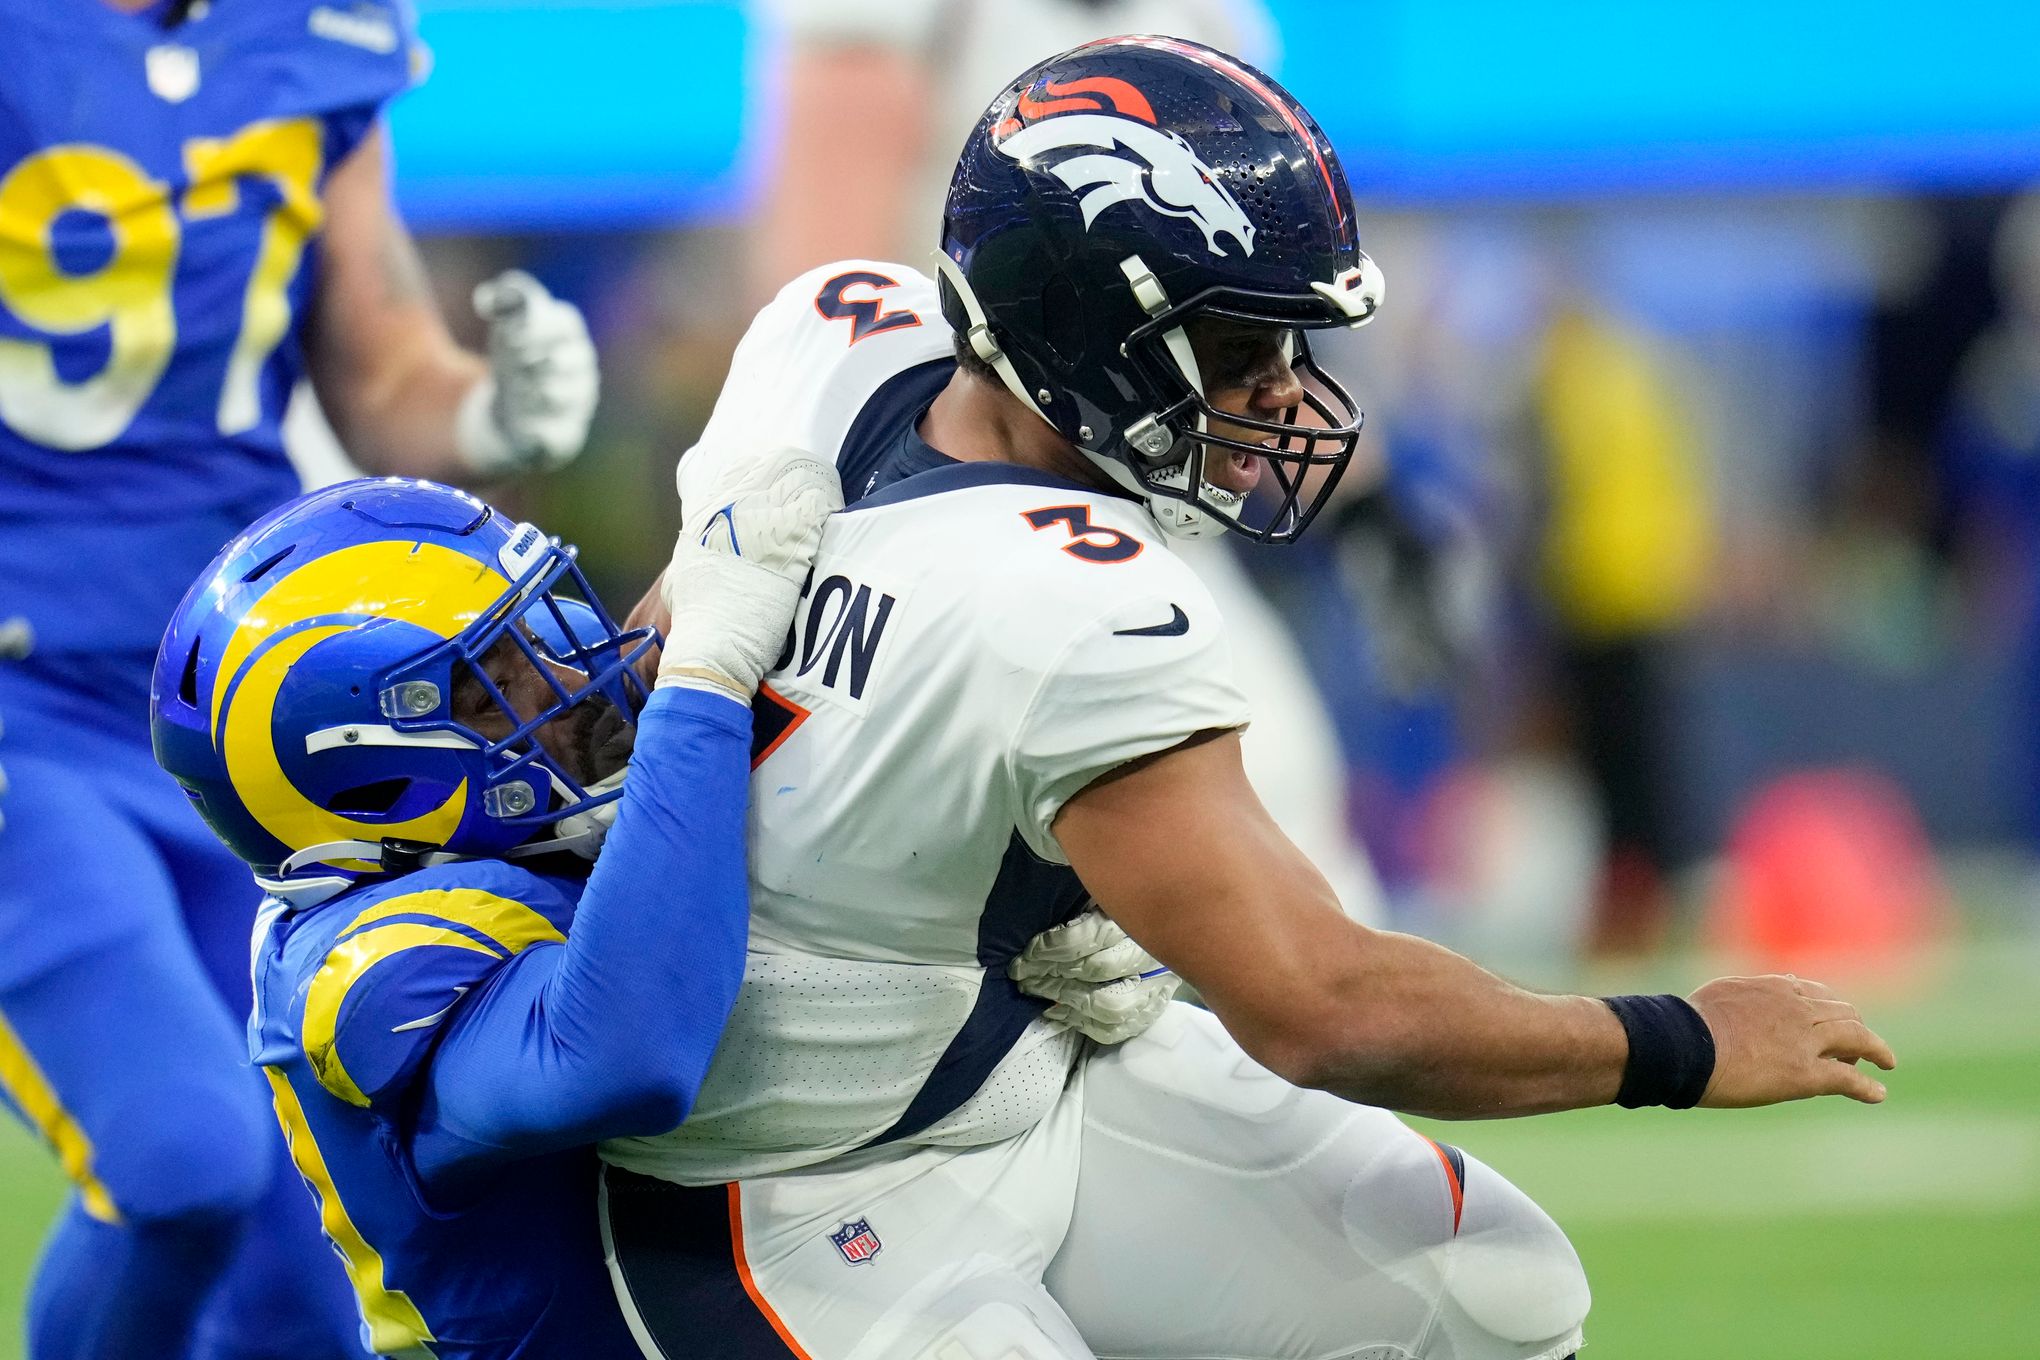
610 1034
1180 852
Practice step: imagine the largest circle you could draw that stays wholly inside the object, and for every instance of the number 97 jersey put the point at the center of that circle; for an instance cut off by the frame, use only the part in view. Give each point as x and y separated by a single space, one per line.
159 190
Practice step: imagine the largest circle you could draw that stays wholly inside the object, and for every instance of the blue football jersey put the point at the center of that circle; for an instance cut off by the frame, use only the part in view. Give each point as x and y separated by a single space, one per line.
160 194
352 1000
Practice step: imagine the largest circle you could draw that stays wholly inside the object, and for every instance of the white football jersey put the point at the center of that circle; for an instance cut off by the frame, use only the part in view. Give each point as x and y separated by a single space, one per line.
978 642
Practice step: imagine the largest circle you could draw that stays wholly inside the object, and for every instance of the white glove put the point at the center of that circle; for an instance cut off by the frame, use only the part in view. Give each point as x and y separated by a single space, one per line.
532 411
1103 985
733 584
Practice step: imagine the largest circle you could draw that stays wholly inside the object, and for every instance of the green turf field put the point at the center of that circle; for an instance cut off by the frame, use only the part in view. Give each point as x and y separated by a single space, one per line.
1809 1232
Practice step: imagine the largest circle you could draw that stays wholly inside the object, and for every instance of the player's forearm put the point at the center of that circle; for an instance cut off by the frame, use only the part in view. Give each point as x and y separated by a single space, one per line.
658 946
399 414
610 1035
388 373
1226 900
1416 1028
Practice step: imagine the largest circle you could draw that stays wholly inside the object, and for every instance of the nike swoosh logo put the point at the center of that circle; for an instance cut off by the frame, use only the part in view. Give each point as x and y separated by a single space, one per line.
428 1021
1178 624
725 520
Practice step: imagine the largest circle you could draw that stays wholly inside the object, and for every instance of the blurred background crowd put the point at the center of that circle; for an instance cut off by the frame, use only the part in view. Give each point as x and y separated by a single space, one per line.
1688 587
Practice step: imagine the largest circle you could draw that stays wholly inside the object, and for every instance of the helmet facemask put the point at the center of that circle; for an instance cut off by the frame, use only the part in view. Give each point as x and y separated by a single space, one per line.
1301 450
1119 194
545 685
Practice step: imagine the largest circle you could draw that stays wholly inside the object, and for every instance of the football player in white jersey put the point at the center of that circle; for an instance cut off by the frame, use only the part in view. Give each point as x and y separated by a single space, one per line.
1004 699
917 72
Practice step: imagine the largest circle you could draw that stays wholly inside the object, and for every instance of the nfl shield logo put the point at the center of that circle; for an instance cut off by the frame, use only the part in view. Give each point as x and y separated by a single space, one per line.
172 71
855 1242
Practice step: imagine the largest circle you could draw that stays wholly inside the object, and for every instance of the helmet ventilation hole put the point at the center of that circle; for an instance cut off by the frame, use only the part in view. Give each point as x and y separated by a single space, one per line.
369 800
187 683
262 568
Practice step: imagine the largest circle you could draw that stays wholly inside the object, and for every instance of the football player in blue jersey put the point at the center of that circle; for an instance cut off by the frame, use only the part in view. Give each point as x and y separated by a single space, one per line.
408 715
194 212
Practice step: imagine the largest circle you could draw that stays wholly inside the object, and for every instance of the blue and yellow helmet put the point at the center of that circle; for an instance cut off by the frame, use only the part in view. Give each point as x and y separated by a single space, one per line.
304 693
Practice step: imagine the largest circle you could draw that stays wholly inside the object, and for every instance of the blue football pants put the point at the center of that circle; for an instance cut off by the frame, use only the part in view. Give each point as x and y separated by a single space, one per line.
124 992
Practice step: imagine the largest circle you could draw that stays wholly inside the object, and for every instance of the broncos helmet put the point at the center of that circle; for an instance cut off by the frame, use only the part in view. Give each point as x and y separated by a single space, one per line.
1117 192
305 693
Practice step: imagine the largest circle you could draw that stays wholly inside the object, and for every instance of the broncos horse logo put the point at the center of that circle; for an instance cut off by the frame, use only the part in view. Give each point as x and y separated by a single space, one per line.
1131 160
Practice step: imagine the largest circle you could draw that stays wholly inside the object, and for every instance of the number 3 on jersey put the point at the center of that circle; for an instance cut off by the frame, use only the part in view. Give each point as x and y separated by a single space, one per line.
866 315
1091 542
130 293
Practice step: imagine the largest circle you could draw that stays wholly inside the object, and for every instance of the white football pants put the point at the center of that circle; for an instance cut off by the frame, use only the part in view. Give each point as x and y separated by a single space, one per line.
1180 1203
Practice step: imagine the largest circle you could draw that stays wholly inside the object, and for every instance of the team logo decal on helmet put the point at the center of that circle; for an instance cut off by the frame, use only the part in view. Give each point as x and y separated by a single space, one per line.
1070 275
286 622
387 672
1134 161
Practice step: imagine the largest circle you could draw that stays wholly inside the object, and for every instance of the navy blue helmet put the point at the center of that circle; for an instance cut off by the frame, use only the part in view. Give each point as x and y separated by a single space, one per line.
1116 194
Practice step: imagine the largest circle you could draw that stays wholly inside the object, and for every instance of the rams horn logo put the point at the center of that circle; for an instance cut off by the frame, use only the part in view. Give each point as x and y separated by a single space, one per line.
1135 161
441 592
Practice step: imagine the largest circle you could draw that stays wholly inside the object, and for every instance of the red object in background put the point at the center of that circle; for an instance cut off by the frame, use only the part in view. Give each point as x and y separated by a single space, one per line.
1829 868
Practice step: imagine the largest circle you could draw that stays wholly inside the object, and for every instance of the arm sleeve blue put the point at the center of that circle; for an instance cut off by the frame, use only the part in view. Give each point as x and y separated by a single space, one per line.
609 1034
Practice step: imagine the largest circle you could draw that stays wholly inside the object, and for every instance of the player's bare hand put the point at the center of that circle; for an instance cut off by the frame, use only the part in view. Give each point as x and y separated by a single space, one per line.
1780 1037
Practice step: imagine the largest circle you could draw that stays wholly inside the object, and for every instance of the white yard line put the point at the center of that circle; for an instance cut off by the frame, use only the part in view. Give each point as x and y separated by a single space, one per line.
1877 1162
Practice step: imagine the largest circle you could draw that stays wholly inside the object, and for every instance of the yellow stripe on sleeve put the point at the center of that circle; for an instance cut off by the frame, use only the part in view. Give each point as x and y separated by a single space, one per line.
395 1326
511 926
32 1093
344 967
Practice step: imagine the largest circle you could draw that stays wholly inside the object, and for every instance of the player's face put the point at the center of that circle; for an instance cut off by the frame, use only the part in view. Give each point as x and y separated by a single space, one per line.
591 741
1247 370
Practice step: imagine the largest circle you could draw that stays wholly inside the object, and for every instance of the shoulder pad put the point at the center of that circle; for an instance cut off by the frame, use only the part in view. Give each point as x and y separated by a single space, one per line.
400 959
814 356
351 54
1122 660
1088 561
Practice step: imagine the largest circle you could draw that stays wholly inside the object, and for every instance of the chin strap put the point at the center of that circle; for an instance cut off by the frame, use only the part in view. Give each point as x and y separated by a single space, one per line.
1181 519
1153 299
1181 523
979 338
582 834
1150 438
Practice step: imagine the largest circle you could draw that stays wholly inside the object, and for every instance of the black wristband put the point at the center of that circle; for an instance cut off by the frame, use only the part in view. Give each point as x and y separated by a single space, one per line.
1671 1052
